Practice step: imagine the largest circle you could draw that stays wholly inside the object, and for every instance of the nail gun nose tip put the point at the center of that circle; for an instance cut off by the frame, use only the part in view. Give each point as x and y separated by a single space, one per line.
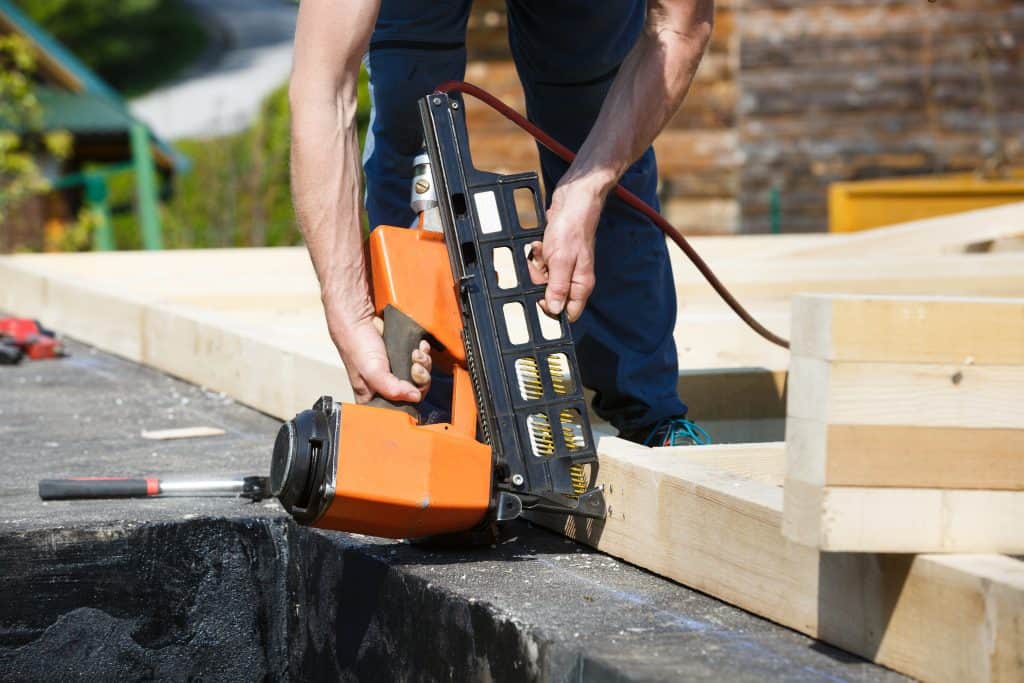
301 462
283 457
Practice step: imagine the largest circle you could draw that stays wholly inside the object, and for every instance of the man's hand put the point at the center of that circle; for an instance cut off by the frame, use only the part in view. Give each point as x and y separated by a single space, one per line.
647 91
565 259
362 349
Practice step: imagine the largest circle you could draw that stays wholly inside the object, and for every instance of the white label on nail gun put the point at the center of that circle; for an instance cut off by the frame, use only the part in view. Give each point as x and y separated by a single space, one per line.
487 211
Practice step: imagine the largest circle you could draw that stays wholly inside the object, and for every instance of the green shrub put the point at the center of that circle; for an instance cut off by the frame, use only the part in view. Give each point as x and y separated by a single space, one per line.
237 192
23 143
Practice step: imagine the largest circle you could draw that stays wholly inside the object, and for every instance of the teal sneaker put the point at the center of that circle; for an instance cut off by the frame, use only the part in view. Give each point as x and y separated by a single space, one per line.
672 431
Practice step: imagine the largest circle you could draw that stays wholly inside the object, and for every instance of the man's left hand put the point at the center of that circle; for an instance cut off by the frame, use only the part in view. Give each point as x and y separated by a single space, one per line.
565 259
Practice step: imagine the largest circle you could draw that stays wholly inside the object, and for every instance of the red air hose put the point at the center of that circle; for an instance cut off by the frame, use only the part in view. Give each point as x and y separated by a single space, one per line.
622 193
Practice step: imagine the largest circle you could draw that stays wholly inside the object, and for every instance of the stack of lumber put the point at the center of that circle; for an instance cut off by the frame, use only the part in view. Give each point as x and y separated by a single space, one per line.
905 426
248 323
711 518
925 257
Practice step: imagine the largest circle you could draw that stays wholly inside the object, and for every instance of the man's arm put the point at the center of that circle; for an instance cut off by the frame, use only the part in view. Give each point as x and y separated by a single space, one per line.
647 91
330 39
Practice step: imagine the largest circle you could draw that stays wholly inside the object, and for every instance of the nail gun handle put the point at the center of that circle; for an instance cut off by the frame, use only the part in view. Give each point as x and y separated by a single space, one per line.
402 336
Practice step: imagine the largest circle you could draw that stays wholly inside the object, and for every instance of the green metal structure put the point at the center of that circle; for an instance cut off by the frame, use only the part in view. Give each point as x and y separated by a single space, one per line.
75 99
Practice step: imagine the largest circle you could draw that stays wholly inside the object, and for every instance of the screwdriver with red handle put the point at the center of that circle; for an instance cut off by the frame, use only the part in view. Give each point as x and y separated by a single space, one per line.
78 488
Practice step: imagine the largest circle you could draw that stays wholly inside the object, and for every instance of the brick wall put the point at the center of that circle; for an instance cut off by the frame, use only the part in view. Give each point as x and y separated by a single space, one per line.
865 88
794 94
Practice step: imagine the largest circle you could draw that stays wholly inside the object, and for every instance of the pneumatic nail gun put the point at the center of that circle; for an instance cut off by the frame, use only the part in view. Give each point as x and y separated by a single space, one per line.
518 437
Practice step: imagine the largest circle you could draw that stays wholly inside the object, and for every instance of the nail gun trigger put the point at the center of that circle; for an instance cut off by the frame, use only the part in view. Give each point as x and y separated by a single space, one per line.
509 506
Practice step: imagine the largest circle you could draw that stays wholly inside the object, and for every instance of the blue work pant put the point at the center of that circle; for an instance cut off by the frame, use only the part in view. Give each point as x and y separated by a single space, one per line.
566 53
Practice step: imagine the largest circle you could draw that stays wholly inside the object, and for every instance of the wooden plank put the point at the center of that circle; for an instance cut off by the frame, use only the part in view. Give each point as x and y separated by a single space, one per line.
778 279
262 364
709 334
903 520
904 456
181 433
276 287
924 395
894 329
714 248
243 338
949 233
938 618
75 306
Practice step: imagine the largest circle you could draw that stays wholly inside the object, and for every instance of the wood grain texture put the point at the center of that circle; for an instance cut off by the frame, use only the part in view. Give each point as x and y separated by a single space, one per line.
243 322
718 529
904 429
897 520
900 394
951 233
996 275
902 456
897 329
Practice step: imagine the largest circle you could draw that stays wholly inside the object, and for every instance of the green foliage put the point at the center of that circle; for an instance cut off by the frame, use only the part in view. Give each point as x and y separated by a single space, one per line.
132 44
23 143
77 236
237 192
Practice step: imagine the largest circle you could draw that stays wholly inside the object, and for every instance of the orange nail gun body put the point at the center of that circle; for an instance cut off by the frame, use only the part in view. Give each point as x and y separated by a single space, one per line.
518 436
396 478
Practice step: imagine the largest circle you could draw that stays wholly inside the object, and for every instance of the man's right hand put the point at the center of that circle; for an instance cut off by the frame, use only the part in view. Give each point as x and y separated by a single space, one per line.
362 349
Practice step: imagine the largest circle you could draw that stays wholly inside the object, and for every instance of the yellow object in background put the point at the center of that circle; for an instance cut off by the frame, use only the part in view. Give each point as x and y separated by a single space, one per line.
862 204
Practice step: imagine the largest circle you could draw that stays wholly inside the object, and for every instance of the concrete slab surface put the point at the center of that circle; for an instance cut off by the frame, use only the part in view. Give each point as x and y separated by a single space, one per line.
221 589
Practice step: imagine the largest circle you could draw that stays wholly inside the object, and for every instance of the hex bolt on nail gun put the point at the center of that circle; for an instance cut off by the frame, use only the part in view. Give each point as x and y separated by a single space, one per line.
519 437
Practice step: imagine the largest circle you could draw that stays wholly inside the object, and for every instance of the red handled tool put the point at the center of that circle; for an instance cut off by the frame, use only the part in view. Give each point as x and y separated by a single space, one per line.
78 488
23 337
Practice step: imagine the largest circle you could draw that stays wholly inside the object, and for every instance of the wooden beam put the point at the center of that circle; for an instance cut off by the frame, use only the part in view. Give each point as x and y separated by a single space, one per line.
715 248
276 288
711 517
950 457
922 395
903 520
904 432
709 335
942 234
1000 274
899 329
242 338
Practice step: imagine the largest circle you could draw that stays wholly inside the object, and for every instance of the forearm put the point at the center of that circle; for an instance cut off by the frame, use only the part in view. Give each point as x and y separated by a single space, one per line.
325 190
647 91
326 178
